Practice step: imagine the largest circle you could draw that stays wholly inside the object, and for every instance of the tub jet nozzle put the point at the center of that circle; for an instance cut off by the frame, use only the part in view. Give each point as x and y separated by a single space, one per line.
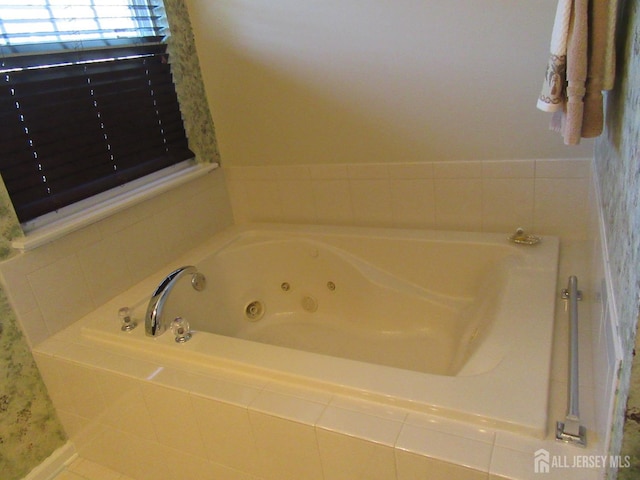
254 311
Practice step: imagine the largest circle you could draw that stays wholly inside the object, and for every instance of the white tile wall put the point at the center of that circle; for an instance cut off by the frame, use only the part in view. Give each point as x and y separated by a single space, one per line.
127 417
286 449
547 196
148 420
56 284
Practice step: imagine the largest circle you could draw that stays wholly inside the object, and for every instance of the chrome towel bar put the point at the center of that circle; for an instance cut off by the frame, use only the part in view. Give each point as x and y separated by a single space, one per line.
570 431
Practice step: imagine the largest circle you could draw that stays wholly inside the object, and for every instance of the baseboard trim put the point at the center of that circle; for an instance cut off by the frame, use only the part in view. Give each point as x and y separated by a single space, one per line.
54 463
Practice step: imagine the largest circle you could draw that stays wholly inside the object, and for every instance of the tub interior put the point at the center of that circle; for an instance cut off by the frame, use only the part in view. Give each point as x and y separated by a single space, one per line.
402 303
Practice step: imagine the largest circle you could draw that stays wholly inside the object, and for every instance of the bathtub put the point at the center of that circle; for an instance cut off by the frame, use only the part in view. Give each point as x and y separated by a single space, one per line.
450 323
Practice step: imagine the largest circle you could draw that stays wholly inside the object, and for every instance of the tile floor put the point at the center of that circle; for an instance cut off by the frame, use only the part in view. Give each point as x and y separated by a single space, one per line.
81 469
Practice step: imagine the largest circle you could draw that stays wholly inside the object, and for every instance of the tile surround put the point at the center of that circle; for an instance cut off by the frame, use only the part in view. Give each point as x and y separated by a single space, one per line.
217 423
54 285
347 458
261 428
257 408
492 196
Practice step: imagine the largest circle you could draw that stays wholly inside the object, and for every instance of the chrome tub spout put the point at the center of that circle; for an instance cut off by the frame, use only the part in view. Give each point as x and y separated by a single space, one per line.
154 323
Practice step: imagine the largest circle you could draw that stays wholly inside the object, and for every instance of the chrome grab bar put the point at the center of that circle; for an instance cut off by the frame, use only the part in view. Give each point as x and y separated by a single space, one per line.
570 431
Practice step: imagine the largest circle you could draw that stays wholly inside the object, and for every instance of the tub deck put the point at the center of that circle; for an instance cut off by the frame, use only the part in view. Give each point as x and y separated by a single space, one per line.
506 386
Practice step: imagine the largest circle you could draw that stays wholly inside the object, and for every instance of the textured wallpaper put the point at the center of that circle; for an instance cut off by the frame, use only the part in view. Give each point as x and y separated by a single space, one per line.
618 167
189 86
29 428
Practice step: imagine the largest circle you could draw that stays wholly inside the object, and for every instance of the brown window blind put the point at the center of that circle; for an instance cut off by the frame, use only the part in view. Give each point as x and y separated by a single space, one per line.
75 123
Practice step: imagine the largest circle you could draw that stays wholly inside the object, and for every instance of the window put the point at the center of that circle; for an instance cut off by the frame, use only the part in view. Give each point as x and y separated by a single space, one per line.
87 101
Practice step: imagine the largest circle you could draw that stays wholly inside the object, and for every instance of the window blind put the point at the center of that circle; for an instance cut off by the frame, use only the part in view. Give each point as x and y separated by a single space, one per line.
50 25
91 107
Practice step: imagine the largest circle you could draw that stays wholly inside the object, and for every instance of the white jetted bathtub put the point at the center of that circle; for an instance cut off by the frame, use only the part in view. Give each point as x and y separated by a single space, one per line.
459 324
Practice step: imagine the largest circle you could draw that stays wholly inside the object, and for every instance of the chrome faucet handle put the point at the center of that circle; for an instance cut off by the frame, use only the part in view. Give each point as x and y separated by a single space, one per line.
127 323
181 329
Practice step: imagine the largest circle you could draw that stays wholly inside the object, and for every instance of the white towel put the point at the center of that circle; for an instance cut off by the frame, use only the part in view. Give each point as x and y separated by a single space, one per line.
581 65
577 67
553 89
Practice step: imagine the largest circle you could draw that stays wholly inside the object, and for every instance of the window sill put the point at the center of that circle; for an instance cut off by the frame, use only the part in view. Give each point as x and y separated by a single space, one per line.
117 203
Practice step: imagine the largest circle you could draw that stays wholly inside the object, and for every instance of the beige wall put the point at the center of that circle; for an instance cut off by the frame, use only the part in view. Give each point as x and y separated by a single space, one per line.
356 81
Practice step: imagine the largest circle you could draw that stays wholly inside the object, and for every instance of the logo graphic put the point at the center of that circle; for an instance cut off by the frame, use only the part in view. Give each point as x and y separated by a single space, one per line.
541 461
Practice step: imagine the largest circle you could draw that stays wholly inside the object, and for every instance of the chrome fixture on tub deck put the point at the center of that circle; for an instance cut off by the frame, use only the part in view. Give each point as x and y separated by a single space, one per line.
126 321
154 324
523 238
